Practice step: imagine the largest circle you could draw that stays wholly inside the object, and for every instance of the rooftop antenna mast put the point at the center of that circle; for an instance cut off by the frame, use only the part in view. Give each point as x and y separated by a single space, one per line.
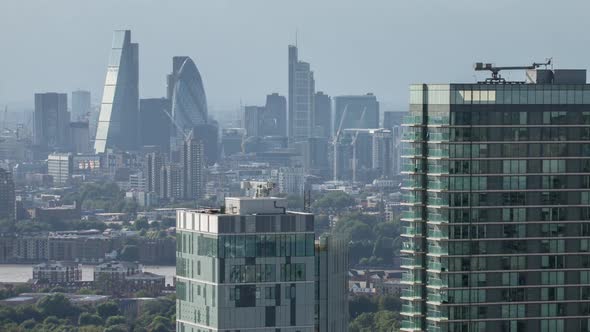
497 78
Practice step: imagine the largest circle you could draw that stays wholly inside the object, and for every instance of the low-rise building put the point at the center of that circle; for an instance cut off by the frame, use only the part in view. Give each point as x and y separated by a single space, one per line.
57 272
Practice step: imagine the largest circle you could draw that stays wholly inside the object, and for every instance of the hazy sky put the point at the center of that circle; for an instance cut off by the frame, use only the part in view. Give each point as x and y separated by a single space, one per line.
240 47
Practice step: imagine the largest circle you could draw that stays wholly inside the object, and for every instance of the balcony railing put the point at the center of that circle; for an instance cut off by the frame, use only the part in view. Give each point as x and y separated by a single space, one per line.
412 120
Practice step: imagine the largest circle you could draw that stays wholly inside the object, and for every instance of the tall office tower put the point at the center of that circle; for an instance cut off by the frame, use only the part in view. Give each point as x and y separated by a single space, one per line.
392 119
355 112
301 93
7 196
322 115
253 123
192 158
154 123
498 205
382 153
60 166
119 111
331 284
208 134
79 137
153 169
171 182
81 105
275 115
249 267
52 120
188 100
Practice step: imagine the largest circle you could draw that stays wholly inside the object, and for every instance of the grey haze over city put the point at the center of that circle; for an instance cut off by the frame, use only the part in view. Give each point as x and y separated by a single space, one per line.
240 47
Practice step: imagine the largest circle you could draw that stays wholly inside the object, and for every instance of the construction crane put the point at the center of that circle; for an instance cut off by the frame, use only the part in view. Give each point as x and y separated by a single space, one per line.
335 142
496 78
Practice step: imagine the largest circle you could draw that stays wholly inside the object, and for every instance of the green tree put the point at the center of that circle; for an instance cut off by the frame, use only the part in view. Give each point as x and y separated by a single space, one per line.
116 320
385 321
361 304
335 201
141 223
107 309
57 305
389 303
363 323
86 318
28 325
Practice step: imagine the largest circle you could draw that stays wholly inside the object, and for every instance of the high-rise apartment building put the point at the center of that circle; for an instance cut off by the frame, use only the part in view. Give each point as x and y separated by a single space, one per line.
51 120
250 267
172 182
322 115
154 161
81 106
119 110
192 158
498 205
7 196
361 112
301 93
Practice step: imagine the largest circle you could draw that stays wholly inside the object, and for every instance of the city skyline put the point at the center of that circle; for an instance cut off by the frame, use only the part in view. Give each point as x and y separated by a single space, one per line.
393 48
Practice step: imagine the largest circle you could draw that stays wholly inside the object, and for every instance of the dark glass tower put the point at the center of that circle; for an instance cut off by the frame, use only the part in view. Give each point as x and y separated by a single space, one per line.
498 205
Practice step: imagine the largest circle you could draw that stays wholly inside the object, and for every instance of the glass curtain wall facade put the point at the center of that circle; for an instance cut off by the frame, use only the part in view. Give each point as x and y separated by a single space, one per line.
497 225
248 270
187 95
118 122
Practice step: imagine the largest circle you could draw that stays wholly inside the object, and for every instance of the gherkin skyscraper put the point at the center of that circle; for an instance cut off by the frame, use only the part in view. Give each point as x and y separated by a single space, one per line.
497 197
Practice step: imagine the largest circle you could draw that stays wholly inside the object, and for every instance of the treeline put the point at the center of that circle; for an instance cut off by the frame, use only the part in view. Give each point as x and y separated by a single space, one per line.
56 313
374 314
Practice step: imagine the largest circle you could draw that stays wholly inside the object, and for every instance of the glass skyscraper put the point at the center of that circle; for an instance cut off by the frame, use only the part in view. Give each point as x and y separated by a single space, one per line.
497 192
118 121
187 97
301 93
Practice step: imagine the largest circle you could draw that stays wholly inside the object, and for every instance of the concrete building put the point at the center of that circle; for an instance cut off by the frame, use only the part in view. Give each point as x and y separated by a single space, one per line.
81 105
118 121
249 267
79 137
172 182
154 162
51 120
497 198
290 180
192 158
60 166
301 93
57 272
7 195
